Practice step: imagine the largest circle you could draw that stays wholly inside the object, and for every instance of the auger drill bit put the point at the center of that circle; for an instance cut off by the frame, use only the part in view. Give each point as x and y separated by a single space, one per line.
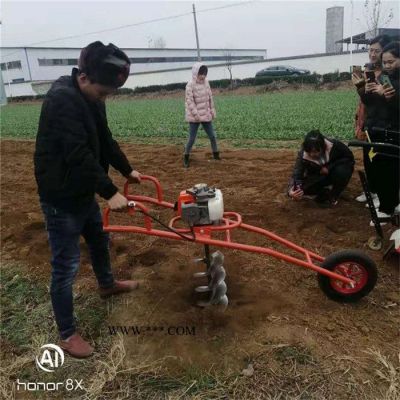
217 286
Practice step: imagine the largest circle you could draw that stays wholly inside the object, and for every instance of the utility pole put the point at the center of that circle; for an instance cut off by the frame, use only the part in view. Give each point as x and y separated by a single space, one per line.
351 36
8 80
197 34
3 97
29 67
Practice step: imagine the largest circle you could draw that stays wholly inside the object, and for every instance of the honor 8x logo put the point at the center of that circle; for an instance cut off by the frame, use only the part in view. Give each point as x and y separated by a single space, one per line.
52 357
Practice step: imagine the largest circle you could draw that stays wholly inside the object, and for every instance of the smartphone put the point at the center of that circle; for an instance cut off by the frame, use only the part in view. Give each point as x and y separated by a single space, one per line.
386 82
297 185
370 67
370 75
357 70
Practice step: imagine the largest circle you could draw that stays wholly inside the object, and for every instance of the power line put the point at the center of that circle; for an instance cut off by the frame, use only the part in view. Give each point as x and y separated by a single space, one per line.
229 6
114 29
132 25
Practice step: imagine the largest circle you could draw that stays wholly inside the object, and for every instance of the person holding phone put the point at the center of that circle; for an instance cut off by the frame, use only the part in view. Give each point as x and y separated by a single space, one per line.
372 72
322 169
381 100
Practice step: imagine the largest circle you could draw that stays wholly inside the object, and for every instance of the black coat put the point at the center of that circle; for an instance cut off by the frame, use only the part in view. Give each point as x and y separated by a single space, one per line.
380 112
74 148
303 168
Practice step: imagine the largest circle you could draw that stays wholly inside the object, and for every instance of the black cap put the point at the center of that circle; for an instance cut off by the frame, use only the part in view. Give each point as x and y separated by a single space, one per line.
106 65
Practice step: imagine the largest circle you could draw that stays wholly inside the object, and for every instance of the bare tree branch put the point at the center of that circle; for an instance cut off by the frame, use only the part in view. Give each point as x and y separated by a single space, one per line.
228 63
375 17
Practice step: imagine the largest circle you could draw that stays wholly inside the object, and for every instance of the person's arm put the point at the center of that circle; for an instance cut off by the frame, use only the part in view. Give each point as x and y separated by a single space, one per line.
393 105
190 103
212 106
343 155
370 92
358 81
298 173
367 98
117 157
67 119
359 121
391 94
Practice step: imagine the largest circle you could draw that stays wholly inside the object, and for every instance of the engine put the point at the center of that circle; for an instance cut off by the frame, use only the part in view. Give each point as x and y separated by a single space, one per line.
201 205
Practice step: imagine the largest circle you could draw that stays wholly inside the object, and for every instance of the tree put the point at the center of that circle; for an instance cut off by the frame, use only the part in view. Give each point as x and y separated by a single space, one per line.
228 63
376 17
156 43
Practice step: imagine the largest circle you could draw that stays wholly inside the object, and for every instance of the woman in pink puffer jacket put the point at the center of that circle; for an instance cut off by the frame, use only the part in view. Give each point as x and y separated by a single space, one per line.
199 107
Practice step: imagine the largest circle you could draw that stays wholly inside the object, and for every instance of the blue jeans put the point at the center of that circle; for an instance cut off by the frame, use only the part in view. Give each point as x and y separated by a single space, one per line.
64 230
193 128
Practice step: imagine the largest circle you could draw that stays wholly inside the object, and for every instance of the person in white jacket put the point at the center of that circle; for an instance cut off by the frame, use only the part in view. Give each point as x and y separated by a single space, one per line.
199 107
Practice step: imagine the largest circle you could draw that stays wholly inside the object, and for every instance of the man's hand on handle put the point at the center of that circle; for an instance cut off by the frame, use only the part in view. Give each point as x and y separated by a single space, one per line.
134 177
118 202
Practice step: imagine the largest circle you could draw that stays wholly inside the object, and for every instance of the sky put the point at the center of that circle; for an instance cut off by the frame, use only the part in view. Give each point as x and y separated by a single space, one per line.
283 28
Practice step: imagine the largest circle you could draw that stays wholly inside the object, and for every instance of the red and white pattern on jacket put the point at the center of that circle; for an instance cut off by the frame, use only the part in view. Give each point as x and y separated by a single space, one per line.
199 103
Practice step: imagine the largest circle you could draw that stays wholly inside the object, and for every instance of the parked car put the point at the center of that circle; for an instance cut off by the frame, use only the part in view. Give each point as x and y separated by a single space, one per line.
282 70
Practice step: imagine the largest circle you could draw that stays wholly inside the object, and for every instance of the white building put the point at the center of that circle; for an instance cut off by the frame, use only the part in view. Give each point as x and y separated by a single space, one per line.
40 64
30 71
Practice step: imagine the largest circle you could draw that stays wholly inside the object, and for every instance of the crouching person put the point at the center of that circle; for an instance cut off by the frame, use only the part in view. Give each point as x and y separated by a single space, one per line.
74 148
323 169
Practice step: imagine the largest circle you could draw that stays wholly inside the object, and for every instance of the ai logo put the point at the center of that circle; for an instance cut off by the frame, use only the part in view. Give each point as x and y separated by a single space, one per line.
51 358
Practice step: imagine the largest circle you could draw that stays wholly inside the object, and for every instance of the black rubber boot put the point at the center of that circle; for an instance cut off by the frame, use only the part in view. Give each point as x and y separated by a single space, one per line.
186 160
216 155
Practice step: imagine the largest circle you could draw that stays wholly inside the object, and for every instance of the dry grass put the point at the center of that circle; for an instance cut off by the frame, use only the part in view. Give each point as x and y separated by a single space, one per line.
386 371
105 372
281 371
8 370
290 371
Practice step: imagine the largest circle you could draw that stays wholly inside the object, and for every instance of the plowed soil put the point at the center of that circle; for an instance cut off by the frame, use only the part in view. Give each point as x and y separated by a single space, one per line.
271 301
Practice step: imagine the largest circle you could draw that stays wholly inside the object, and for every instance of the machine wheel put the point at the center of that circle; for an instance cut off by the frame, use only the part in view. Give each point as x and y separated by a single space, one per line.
352 264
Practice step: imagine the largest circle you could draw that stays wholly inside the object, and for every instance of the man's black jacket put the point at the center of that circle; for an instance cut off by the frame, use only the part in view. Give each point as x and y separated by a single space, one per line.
74 148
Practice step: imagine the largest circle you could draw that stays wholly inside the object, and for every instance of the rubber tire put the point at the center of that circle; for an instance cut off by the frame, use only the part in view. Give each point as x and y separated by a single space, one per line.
339 257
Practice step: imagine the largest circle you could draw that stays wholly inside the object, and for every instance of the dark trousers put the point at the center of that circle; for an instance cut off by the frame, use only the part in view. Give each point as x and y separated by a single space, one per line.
369 169
193 128
339 177
387 182
386 175
64 231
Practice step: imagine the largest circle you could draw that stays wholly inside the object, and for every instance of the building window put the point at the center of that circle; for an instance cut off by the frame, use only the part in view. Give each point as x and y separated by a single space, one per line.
11 65
18 80
48 62
145 60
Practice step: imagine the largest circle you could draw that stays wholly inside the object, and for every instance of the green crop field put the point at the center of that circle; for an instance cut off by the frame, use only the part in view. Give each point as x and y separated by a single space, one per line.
277 116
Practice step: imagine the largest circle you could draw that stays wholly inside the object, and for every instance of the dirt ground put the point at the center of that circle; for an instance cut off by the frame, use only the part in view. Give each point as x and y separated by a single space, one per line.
272 303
